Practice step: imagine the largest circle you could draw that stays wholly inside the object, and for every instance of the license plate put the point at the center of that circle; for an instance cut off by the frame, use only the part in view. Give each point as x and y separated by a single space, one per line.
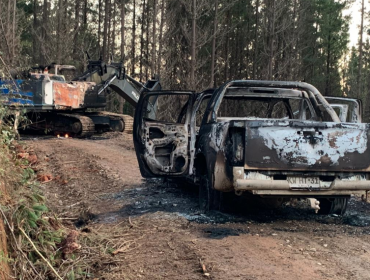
304 182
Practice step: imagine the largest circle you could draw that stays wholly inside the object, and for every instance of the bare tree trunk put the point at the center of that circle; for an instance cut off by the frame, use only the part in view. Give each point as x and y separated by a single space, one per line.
76 27
84 20
99 23
108 54
154 44
108 10
147 42
114 20
59 30
244 63
8 31
213 55
120 98
255 43
227 46
293 66
123 29
44 32
328 57
367 104
159 61
193 45
271 42
105 32
359 80
133 62
14 30
34 39
142 41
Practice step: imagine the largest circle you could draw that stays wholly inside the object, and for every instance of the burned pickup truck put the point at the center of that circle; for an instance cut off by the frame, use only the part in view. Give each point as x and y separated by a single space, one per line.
271 139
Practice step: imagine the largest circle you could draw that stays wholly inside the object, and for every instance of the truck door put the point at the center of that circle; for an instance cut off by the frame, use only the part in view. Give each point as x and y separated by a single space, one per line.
347 109
161 133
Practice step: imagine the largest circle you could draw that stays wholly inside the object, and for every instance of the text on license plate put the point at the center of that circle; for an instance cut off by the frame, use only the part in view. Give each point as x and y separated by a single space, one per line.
304 182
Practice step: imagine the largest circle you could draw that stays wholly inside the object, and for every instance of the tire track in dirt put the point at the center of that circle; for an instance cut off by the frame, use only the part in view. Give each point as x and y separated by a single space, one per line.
172 237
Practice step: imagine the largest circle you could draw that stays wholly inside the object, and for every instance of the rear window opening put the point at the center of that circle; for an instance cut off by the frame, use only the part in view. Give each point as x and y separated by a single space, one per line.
266 108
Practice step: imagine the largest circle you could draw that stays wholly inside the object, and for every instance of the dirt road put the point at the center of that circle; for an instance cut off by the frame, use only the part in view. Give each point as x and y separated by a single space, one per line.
97 188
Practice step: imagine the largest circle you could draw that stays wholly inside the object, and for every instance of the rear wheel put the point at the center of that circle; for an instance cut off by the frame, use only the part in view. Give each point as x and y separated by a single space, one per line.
336 205
209 198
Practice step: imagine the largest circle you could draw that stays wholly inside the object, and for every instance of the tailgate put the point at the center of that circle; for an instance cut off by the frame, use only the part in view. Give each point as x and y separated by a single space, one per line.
306 145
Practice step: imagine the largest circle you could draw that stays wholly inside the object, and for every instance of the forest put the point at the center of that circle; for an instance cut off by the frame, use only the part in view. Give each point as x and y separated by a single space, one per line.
194 44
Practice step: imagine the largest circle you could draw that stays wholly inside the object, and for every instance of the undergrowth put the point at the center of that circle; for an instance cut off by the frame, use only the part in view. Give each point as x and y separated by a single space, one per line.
33 233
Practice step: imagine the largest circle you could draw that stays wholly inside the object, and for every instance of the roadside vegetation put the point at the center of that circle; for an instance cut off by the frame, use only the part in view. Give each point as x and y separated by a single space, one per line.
30 234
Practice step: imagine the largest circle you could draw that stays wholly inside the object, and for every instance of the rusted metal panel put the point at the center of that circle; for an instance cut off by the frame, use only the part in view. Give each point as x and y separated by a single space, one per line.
168 153
70 95
307 146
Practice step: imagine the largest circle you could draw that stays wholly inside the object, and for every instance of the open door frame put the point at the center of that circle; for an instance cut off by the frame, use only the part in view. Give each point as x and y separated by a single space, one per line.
162 147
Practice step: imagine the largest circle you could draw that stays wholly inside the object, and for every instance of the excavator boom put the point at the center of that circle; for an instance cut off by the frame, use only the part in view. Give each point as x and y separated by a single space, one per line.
114 77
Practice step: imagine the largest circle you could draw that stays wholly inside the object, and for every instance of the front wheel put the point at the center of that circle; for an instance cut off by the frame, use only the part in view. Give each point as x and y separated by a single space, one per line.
336 205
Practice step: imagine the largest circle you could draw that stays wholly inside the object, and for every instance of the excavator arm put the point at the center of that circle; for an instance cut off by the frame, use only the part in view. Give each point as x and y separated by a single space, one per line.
114 77
130 89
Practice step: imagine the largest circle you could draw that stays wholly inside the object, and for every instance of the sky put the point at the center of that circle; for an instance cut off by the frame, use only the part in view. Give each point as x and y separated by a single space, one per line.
355 12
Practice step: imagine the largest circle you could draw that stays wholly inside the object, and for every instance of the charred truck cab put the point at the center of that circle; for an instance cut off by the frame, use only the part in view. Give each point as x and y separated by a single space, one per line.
271 139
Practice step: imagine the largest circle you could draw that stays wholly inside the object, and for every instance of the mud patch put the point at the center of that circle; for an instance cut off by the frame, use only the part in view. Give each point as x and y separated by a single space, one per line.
357 220
220 233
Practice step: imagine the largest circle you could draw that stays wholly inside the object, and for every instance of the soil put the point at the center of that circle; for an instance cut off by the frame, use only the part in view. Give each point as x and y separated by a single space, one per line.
96 184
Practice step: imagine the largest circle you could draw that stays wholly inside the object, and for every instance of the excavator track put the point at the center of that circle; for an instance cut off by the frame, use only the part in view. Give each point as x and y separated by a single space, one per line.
77 125
127 119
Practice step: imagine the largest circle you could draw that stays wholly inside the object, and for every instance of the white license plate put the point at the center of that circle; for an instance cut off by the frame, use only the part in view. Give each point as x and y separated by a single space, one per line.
304 182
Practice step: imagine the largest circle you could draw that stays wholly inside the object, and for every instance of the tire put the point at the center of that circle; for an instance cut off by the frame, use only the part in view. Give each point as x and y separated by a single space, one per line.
330 206
209 198
118 125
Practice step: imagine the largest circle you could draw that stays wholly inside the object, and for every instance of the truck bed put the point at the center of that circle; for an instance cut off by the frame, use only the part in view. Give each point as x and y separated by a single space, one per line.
296 145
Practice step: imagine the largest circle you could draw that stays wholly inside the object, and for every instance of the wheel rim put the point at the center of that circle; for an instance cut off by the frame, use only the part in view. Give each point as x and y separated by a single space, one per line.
76 127
120 126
